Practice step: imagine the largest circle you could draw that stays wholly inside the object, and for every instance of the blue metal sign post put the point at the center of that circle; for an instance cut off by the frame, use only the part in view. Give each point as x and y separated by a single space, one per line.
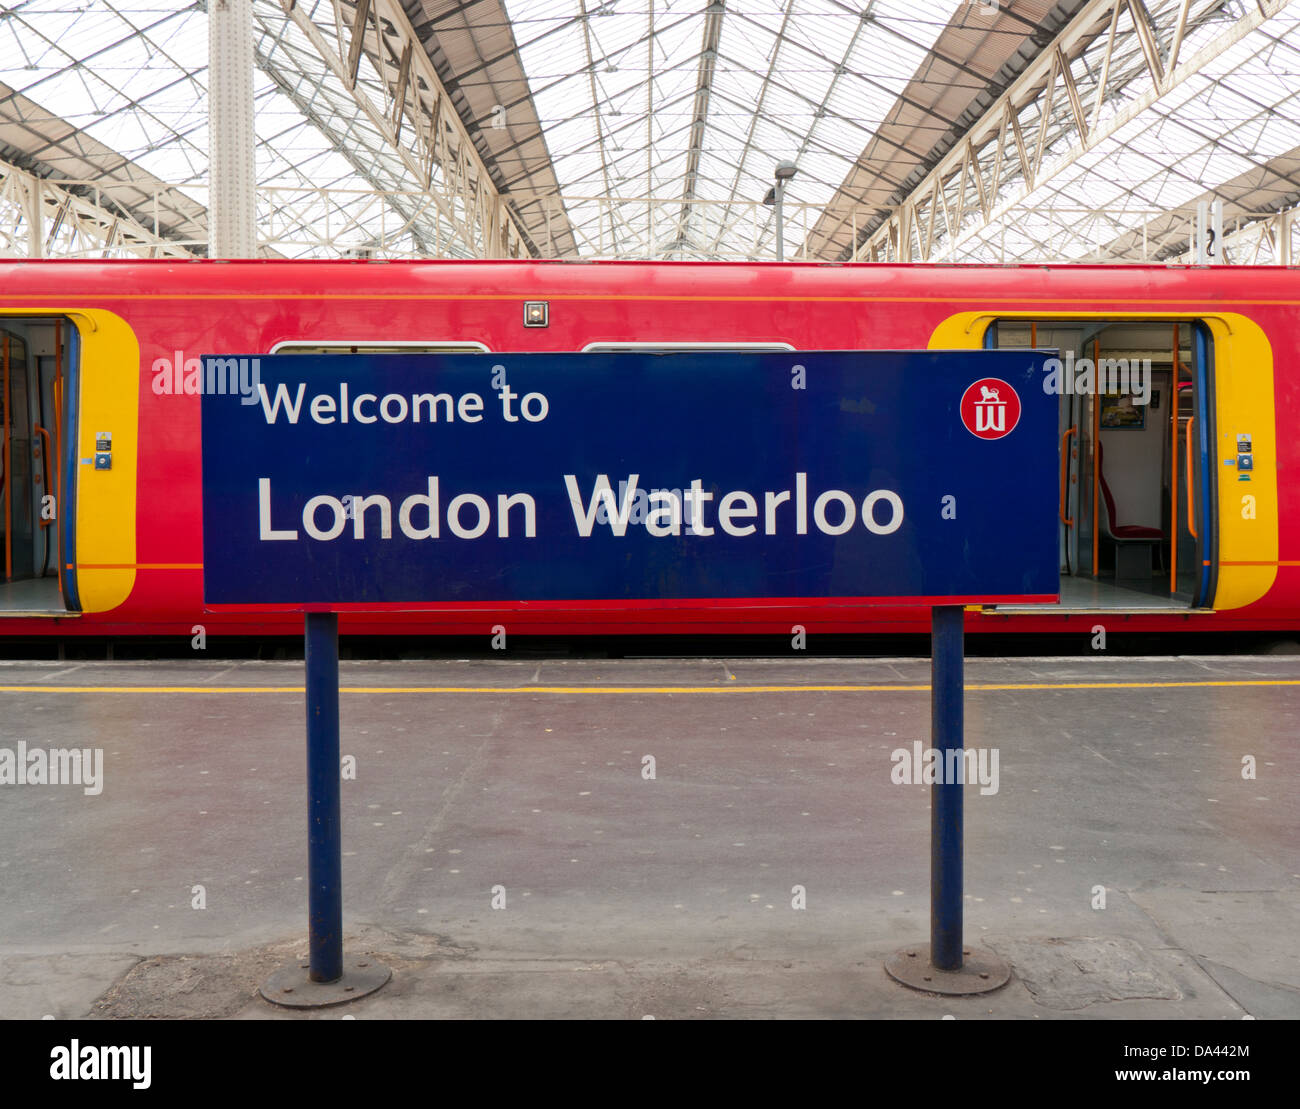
326 978
947 728
427 483
952 967
324 840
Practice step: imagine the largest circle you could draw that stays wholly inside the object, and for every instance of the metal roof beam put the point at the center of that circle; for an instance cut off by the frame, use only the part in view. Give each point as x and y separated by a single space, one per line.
474 51
782 37
708 58
327 123
996 139
41 220
747 148
439 155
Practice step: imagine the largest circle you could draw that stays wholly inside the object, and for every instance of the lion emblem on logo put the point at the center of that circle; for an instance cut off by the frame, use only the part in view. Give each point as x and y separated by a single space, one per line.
988 395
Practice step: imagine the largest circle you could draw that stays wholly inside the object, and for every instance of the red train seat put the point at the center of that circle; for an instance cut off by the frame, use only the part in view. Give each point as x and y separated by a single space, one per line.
1124 534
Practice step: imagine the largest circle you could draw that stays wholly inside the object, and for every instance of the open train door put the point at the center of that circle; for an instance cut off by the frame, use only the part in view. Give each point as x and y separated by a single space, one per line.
38 358
1201 472
1139 527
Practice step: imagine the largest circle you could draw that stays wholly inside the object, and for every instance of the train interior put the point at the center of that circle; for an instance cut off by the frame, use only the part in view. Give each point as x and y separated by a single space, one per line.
1132 515
35 356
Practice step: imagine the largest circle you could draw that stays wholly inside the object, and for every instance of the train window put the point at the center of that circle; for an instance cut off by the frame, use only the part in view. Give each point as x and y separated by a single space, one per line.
370 346
592 348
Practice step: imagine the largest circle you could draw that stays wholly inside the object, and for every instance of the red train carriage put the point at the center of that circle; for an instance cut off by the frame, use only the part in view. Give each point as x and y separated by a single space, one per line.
1176 514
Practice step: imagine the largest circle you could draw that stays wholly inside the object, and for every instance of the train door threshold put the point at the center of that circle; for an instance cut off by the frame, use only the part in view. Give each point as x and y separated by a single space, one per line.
1084 596
32 597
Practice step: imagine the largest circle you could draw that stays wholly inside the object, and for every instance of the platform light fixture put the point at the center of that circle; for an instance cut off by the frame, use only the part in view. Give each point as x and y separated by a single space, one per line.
775 195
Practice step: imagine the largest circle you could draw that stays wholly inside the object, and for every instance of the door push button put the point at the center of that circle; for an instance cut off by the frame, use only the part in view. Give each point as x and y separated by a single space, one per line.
1245 462
103 460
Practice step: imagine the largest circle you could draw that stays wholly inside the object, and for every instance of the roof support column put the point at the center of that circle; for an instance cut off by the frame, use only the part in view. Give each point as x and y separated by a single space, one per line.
232 205
34 217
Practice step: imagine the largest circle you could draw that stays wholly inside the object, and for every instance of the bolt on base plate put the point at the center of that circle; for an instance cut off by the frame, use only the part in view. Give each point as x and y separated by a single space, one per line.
291 987
981 971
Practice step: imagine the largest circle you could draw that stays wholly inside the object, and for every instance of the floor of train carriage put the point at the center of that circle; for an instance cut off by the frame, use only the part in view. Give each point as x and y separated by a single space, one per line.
510 852
1082 595
30 595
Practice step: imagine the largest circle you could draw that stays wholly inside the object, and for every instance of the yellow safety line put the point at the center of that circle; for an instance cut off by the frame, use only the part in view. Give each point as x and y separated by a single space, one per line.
634 689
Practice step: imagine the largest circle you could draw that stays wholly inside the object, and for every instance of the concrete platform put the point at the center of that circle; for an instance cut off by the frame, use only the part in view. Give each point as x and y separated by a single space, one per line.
668 897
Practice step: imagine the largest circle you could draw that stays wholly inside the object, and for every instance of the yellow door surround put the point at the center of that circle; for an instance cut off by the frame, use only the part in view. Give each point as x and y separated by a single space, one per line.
108 373
1243 394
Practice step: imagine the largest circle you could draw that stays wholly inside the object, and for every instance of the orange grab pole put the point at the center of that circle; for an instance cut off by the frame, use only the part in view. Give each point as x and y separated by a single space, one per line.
9 539
58 446
1173 472
1191 502
44 475
1096 455
1065 472
58 416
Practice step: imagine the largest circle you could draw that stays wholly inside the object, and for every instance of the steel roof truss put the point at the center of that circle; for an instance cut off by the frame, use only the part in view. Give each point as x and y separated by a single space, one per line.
1064 129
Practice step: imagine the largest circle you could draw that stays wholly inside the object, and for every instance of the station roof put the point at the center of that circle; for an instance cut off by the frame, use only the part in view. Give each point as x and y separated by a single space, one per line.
650 128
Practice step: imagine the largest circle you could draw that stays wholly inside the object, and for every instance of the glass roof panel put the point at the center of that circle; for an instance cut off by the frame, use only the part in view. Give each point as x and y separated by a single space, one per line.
617 87
1214 134
134 77
804 80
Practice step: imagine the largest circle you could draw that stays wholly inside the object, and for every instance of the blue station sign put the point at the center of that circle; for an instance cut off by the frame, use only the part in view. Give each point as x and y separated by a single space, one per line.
421 480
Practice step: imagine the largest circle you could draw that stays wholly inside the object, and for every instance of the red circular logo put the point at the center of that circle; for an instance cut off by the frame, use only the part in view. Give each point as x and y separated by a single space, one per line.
990 408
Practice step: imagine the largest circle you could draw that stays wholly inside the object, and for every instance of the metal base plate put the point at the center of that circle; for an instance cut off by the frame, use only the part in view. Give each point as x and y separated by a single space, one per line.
981 971
291 987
